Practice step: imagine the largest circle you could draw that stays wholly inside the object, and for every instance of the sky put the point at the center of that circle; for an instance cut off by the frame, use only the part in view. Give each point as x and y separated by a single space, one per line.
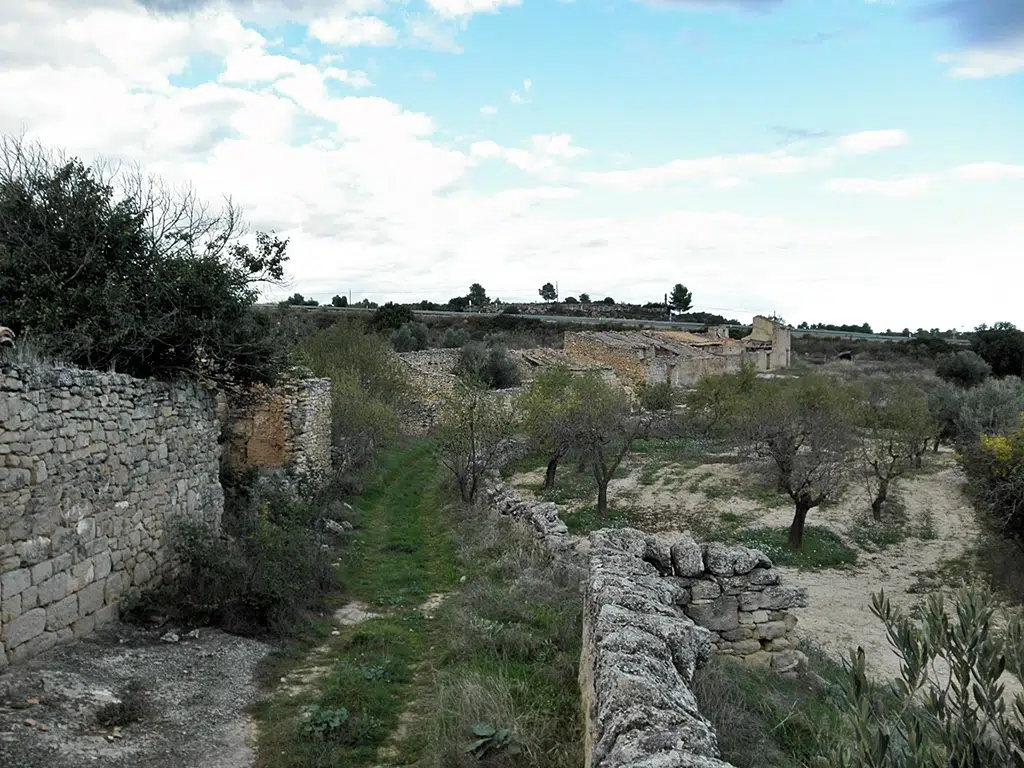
839 161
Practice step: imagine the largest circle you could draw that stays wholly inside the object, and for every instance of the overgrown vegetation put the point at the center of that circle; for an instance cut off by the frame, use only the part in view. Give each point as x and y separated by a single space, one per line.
112 269
488 366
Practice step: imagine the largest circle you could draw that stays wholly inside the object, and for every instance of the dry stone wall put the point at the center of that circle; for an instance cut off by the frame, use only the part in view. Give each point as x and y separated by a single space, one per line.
655 607
93 468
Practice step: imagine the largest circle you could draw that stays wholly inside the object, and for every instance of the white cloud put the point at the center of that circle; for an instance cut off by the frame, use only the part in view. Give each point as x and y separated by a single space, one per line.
990 171
353 31
903 187
866 142
979 64
521 96
376 198
464 8
488 110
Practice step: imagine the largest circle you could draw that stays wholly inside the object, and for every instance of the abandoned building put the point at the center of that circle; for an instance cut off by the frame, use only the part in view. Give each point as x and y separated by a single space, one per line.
680 357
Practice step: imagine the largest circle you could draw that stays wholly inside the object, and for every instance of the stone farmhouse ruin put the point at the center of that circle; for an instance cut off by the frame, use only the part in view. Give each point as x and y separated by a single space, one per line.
681 358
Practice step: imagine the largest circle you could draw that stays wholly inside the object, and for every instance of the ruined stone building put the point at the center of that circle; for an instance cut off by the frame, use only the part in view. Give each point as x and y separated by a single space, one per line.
680 357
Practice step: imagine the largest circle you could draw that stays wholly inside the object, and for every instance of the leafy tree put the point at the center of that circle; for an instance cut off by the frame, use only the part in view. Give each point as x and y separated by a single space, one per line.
681 299
473 428
584 298
478 296
896 428
715 404
115 270
1002 347
458 303
606 429
488 366
549 417
339 301
548 292
608 300
657 397
802 428
570 300
298 300
943 409
391 316
926 719
965 368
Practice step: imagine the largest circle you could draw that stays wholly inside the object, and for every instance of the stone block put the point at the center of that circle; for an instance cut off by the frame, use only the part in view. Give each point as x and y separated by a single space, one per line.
10 609
786 662
779 644
761 659
39 643
759 617
53 589
84 626
106 614
763 577
91 598
746 647
705 590
719 559
771 630
34 550
61 614
746 560
117 584
42 571
29 598
783 597
103 565
719 615
687 557
15 582
24 628
740 633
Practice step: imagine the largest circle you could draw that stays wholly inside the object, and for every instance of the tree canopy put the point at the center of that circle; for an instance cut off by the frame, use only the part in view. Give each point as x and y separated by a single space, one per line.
681 299
112 269
548 292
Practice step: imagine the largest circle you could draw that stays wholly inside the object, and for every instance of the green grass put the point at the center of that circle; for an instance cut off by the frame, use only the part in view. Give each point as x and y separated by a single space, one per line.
821 547
878 535
767 721
401 550
585 519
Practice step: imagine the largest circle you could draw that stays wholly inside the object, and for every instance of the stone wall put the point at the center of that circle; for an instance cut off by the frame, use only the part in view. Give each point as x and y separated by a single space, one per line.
655 607
287 425
93 468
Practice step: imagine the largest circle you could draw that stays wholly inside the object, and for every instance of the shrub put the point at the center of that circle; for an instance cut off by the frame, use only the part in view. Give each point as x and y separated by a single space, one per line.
511 310
411 337
995 470
993 407
368 384
489 366
965 369
454 338
263 570
657 397
391 316
928 721
1002 347
118 271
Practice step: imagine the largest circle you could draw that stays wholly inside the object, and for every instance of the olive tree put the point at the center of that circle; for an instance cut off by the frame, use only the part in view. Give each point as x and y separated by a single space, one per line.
472 432
606 428
802 429
548 412
896 426
925 719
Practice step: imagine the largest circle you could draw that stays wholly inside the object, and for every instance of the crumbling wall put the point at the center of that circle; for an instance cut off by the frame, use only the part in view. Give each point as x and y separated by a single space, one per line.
286 425
629 364
93 469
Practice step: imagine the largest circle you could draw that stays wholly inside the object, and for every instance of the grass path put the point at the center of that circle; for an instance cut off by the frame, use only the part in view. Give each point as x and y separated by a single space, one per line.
401 551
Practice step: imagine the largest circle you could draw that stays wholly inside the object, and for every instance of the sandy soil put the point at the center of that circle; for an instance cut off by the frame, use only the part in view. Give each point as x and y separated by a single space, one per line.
838 617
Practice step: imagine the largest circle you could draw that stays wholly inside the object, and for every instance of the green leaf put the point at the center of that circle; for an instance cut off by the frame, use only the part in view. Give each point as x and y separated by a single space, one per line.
483 729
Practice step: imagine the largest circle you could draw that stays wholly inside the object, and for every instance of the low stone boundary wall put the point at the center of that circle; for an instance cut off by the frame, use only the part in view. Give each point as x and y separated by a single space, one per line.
655 607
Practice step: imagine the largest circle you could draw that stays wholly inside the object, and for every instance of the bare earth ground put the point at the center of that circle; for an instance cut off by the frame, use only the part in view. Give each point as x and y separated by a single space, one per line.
197 690
838 617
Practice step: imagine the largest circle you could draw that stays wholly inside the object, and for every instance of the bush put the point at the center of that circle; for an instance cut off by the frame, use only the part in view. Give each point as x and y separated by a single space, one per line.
511 310
454 338
264 569
368 384
928 721
965 369
391 317
488 366
991 408
1002 347
116 271
657 397
994 466
411 337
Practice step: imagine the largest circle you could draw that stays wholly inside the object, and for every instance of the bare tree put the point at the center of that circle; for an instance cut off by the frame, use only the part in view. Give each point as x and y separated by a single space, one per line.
802 429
